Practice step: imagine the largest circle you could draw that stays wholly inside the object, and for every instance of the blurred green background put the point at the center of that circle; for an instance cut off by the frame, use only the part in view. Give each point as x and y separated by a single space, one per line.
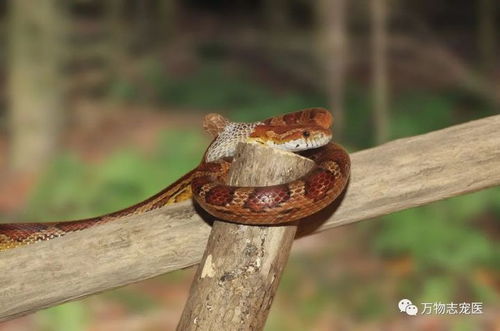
101 104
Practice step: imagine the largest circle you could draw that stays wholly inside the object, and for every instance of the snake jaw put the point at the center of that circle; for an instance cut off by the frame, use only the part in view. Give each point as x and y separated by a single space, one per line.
295 145
296 140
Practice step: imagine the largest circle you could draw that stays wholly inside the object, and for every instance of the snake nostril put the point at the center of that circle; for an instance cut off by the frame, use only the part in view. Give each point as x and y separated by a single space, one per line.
306 134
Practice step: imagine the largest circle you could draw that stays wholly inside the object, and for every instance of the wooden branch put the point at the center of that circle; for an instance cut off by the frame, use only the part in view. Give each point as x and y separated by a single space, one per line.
398 175
240 271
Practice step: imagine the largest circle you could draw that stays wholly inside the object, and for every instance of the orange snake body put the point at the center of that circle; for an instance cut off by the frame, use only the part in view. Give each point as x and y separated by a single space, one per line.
302 130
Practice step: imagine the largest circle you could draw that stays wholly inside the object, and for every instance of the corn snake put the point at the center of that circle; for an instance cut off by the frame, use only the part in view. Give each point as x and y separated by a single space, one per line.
308 129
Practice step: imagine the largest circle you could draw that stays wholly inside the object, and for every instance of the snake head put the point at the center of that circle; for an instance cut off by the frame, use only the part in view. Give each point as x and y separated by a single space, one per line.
298 131
291 138
315 117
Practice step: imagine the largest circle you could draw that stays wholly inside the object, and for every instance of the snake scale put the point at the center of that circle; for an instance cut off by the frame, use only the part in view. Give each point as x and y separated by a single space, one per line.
308 129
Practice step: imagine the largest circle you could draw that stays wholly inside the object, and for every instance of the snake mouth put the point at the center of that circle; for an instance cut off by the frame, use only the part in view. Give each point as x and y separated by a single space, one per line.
298 145
293 138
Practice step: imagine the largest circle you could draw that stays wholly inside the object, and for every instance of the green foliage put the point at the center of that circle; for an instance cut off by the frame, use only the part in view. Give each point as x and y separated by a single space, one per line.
443 240
440 288
72 189
213 87
275 106
71 316
210 87
419 112
134 301
123 90
358 118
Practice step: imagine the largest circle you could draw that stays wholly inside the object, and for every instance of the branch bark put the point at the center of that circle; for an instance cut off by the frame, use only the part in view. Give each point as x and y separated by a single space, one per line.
398 175
240 271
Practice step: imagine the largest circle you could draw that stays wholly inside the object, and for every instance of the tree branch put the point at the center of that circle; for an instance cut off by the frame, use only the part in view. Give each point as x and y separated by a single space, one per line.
398 175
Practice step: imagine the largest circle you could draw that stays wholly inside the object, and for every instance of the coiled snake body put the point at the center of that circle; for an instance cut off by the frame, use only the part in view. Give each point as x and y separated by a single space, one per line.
302 130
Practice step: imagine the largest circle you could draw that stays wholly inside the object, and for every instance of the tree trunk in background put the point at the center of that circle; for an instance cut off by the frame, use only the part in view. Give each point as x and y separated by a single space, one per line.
275 12
379 70
142 33
332 52
116 32
115 17
277 25
486 39
167 19
35 87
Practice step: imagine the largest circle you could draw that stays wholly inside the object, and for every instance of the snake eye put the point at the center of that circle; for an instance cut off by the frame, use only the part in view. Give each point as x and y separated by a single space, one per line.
306 134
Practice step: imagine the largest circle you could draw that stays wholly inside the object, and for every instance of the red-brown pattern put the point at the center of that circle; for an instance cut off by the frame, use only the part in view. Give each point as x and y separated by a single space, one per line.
197 183
246 205
286 202
318 183
263 198
312 116
220 195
